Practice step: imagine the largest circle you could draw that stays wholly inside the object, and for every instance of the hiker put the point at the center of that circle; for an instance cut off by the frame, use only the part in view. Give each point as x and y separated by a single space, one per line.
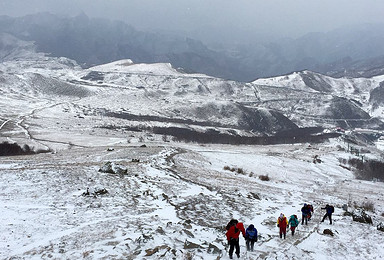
305 213
310 211
234 227
282 223
329 210
250 237
293 222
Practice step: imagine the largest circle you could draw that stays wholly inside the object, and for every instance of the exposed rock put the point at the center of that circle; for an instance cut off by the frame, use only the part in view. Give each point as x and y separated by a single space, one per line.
110 167
316 159
187 224
189 233
100 191
253 195
190 245
160 230
150 252
380 227
95 192
213 249
328 232
362 217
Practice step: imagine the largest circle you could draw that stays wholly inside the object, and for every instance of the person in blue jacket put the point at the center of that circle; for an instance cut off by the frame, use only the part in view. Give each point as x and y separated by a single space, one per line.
250 237
305 214
329 210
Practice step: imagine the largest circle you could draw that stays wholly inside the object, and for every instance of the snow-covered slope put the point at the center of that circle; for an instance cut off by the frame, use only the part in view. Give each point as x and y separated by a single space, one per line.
175 201
357 88
127 66
176 197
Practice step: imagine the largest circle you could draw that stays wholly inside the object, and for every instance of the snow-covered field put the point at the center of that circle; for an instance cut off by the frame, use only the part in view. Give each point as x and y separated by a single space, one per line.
176 198
175 202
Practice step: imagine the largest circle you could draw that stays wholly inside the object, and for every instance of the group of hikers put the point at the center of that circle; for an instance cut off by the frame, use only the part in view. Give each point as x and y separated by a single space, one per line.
235 228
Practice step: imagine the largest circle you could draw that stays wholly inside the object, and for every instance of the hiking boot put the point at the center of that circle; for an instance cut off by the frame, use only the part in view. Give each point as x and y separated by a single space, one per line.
238 255
230 257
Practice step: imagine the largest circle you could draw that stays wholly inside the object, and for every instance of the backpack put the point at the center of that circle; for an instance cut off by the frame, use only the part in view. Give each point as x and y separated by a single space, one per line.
252 233
231 223
236 229
293 220
332 209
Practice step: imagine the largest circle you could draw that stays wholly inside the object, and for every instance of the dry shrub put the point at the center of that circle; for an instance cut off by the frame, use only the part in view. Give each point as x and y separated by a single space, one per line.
264 177
233 169
368 169
368 206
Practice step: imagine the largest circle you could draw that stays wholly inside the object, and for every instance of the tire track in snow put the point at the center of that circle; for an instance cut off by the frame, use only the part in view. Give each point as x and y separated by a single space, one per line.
28 135
5 122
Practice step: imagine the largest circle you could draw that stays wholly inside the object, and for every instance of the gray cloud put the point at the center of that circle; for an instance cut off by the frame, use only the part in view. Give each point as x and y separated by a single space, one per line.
281 17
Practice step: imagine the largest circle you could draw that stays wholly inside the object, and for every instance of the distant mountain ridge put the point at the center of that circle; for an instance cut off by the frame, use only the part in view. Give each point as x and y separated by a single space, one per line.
158 100
346 52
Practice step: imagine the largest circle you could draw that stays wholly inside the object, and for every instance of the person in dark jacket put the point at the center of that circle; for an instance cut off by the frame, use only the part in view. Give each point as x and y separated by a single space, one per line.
310 211
305 211
234 228
250 237
329 210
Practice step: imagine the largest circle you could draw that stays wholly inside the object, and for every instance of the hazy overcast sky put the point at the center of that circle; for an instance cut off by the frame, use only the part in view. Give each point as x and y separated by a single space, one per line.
291 17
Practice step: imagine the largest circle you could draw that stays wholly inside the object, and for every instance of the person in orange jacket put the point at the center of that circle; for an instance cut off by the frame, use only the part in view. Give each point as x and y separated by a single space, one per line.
234 228
282 223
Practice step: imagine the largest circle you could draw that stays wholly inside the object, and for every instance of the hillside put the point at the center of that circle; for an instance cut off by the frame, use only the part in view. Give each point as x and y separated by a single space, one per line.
346 102
138 162
176 199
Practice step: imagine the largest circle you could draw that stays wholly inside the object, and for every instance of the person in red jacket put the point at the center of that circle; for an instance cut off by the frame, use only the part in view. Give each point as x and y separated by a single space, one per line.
234 228
282 223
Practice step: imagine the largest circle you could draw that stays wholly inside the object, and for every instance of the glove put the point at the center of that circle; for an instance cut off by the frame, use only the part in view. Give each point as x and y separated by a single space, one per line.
278 225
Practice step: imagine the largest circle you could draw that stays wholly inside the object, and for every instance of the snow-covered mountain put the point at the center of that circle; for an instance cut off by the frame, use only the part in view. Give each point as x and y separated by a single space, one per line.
347 102
171 199
162 100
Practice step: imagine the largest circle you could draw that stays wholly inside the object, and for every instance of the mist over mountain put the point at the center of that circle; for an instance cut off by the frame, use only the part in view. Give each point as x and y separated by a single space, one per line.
91 41
144 158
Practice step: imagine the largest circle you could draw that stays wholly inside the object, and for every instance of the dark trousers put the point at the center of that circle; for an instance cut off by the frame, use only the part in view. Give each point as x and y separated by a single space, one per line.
283 231
305 218
293 230
329 216
250 243
234 243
